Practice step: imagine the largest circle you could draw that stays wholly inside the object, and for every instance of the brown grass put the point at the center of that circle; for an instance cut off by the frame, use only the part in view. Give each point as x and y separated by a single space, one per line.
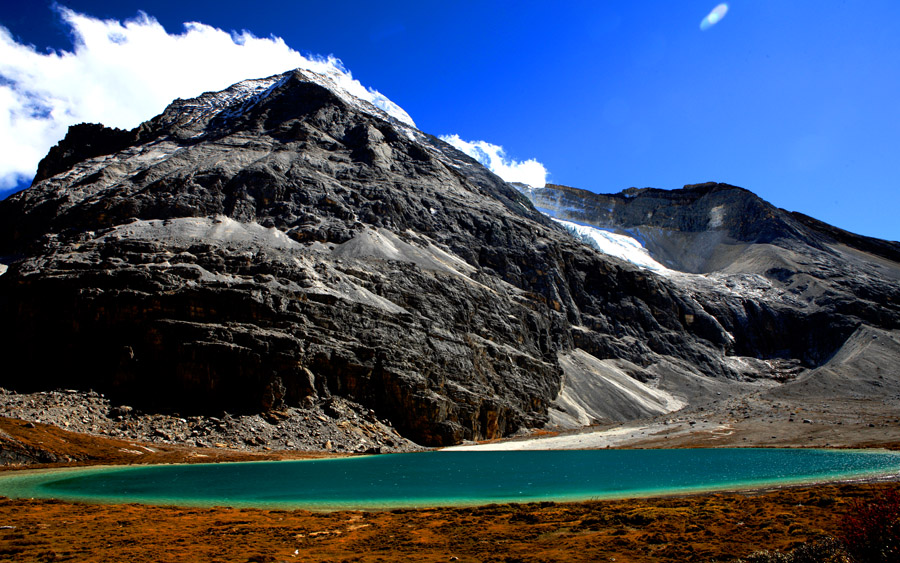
692 528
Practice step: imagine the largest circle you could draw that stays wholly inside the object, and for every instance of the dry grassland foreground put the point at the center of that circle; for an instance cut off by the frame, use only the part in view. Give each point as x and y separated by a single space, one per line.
717 527
703 528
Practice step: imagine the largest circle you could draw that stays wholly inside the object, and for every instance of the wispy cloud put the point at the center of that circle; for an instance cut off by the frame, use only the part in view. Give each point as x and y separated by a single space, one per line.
714 17
123 73
529 172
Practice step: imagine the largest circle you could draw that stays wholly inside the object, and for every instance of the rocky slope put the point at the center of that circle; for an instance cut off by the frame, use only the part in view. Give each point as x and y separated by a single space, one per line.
335 425
281 244
829 300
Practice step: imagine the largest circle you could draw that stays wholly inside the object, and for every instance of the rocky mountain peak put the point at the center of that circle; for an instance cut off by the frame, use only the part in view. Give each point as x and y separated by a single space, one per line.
259 103
287 241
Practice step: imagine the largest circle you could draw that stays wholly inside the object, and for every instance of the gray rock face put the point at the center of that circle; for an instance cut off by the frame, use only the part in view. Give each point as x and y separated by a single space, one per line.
789 289
281 244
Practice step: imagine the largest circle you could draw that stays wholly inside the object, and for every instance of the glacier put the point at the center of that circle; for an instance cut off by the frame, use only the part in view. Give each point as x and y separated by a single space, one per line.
623 247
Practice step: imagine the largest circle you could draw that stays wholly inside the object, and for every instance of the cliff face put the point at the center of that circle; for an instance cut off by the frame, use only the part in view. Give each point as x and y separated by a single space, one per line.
793 291
685 229
726 232
281 242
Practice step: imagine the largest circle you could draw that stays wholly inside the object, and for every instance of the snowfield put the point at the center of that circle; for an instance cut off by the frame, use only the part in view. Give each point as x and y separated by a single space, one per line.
620 246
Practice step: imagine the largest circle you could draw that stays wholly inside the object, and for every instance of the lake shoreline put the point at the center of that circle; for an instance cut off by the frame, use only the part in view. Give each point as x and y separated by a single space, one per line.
676 528
454 479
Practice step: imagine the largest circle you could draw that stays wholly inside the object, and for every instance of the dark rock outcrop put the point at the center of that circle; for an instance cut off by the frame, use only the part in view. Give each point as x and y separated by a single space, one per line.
83 141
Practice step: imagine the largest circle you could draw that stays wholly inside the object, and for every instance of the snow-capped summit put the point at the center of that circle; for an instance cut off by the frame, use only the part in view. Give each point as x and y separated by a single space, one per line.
243 96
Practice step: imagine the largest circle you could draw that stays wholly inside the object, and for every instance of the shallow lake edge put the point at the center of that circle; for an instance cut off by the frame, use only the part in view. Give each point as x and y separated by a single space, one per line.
23 484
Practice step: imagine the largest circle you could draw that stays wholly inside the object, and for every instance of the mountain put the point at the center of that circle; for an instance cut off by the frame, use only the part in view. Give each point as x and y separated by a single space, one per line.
284 244
819 304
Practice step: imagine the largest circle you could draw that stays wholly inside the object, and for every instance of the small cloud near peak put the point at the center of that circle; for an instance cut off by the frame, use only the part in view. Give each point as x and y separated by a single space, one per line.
492 156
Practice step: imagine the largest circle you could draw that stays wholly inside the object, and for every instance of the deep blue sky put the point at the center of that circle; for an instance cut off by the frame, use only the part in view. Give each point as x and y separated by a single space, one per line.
798 101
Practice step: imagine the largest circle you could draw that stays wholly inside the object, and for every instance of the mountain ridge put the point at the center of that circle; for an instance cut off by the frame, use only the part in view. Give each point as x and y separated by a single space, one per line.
284 247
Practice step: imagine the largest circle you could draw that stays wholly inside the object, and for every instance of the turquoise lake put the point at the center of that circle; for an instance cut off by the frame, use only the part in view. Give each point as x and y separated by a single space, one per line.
449 478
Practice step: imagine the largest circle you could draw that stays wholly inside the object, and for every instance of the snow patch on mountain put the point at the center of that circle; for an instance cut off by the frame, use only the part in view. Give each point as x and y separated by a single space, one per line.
606 241
332 74
250 92
613 244
239 98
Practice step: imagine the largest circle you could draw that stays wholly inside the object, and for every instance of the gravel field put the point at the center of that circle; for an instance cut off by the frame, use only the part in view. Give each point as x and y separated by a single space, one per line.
335 425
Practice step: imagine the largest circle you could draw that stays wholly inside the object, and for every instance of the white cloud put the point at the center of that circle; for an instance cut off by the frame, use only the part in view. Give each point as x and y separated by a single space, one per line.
529 172
714 17
123 73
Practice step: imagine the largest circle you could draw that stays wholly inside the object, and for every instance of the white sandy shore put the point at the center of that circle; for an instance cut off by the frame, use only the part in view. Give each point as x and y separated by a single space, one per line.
620 436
